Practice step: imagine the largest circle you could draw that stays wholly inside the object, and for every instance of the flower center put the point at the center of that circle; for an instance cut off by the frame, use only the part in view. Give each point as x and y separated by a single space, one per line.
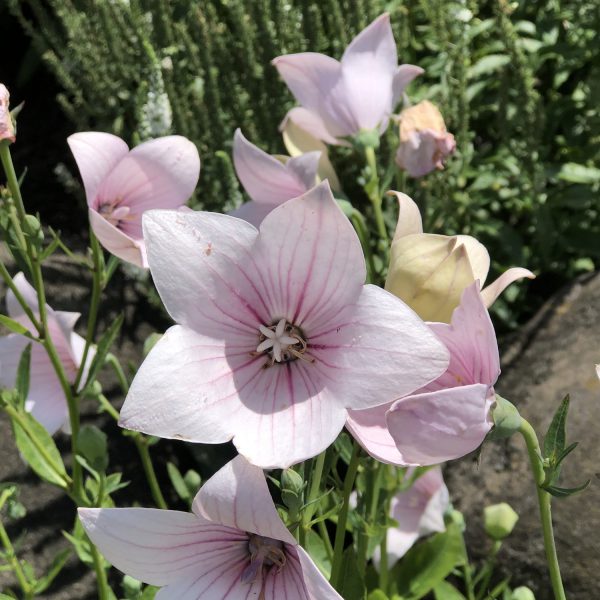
114 213
264 553
282 342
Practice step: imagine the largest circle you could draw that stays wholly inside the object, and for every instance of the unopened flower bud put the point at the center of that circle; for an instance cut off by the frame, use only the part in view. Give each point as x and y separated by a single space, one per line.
424 139
500 520
522 593
292 486
7 129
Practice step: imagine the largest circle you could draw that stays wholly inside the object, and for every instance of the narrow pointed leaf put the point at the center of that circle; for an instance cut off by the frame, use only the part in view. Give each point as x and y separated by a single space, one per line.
352 585
559 492
14 326
555 440
565 453
22 383
55 568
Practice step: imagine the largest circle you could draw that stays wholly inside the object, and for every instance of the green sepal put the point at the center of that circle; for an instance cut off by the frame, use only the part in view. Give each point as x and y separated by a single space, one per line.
507 419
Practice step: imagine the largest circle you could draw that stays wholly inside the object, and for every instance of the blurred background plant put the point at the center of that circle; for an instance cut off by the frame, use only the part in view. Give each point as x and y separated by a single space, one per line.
518 84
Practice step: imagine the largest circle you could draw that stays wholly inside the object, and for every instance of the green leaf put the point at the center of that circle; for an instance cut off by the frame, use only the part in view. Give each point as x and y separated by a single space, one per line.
38 448
555 439
488 64
352 586
507 419
316 548
14 326
579 173
22 382
58 562
102 350
178 482
93 446
446 591
429 563
559 492
565 453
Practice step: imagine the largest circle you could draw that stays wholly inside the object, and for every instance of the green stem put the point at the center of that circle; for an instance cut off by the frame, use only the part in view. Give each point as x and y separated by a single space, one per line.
94 306
487 572
374 193
383 565
340 531
325 536
11 555
357 220
141 444
113 361
38 284
544 500
103 589
313 493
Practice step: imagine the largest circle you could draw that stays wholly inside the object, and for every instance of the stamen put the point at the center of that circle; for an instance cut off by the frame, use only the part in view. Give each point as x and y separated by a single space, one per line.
114 213
264 554
282 342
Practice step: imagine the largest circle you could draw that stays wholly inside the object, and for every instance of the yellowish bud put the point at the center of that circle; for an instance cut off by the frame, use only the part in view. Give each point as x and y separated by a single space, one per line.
500 520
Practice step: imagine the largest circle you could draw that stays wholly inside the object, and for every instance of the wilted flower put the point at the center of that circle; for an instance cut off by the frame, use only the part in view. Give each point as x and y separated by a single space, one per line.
268 180
448 418
233 545
419 511
342 98
277 334
429 272
120 185
46 400
298 141
7 128
424 140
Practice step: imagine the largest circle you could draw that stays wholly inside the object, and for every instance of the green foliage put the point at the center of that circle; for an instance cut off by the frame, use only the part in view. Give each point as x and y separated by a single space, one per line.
517 83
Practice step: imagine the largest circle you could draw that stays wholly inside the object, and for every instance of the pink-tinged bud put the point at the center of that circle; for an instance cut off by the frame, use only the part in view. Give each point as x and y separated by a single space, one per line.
424 140
7 129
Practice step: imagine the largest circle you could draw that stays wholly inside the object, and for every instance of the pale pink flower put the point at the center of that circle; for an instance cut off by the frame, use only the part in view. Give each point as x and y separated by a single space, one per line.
268 180
233 546
419 511
277 334
429 272
7 128
424 140
120 185
341 98
448 418
46 400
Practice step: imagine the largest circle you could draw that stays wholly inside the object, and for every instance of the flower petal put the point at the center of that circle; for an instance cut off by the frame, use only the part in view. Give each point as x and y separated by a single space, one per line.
96 155
266 179
299 141
161 547
438 426
11 348
253 212
311 122
317 586
117 242
492 291
188 387
404 75
161 173
429 273
208 254
237 496
369 65
305 168
310 260
409 216
376 351
478 256
471 340
369 428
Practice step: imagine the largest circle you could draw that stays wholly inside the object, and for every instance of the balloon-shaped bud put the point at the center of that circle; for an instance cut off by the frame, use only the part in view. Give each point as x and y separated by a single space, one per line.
500 520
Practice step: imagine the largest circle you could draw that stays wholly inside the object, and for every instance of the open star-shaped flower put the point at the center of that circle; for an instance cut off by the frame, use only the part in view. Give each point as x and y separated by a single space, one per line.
120 185
277 334
340 98
233 546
